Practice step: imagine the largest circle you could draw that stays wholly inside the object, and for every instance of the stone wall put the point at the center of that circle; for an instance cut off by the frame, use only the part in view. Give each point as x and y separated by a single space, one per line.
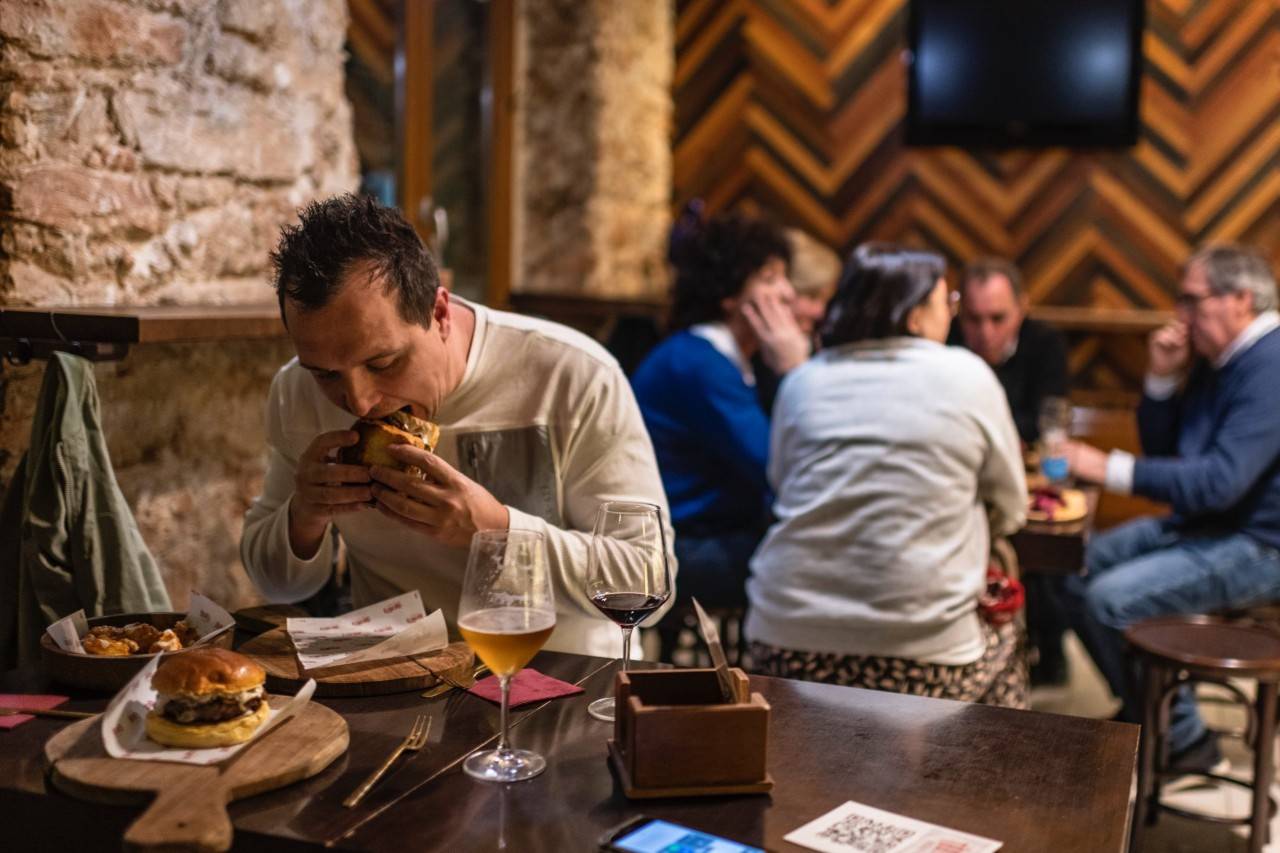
149 152
594 155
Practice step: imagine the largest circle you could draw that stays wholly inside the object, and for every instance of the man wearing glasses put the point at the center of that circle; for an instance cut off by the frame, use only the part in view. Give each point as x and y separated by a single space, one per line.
1209 422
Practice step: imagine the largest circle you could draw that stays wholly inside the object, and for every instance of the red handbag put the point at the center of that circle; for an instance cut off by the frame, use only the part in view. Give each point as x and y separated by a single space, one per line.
1003 597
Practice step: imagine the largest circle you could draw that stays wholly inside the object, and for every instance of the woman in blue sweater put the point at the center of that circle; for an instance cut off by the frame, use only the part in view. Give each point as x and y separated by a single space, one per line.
697 394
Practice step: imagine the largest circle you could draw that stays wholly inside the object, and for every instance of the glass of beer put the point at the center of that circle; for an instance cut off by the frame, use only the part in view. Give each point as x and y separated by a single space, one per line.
506 613
627 573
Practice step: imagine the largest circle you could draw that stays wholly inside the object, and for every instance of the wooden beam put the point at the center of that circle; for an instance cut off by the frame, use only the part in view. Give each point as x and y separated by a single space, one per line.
500 198
414 91
1101 320
105 333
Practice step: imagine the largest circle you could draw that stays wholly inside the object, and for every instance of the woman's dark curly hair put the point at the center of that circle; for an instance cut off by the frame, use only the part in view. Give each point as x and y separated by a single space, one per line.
334 235
713 261
880 285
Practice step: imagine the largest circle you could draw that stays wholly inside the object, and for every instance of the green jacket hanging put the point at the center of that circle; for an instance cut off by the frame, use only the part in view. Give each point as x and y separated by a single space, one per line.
69 540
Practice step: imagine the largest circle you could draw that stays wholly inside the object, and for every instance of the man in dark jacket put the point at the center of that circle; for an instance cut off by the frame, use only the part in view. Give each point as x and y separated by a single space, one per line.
1028 357
1211 449
1030 360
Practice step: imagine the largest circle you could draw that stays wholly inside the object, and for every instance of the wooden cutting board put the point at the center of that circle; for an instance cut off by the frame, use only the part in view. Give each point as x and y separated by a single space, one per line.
190 806
274 651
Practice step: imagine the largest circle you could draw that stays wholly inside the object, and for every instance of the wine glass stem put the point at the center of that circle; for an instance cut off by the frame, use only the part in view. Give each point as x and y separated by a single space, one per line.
626 647
505 682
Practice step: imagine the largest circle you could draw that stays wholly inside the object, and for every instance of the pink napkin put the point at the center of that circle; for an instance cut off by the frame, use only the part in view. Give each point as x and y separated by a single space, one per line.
527 686
25 701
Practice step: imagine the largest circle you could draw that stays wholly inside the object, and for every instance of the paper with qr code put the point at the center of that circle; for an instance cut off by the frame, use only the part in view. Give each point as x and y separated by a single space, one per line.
855 828
397 627
124 726
207 618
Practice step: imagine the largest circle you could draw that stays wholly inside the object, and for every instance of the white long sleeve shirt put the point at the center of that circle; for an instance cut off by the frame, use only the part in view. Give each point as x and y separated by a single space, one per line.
887 458
543 418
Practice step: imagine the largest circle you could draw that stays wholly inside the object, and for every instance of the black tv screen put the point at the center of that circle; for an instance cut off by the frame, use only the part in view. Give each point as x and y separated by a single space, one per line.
1024 72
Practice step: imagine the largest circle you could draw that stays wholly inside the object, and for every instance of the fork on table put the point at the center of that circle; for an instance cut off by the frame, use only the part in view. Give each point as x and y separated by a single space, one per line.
448 682
416 740
47 712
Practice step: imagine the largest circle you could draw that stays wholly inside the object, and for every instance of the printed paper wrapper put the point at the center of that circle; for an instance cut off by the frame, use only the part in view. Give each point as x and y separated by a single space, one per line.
204 615
397 627
68 630
207 618
124 731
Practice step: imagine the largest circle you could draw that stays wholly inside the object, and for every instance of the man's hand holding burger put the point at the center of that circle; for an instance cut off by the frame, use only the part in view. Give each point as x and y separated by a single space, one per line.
442 504
324 488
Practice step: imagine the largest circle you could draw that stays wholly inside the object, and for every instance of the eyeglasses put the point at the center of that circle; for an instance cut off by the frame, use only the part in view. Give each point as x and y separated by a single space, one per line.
1191 301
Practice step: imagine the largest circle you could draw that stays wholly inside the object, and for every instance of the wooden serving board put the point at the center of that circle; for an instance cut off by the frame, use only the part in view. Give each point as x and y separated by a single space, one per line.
190 806
274 651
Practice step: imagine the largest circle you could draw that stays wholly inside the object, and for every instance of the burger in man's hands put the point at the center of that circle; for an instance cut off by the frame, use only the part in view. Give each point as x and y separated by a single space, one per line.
208 697
377 435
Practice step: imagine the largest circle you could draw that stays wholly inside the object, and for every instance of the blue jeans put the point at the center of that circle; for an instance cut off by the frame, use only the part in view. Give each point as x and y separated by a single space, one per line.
715 568
1151 568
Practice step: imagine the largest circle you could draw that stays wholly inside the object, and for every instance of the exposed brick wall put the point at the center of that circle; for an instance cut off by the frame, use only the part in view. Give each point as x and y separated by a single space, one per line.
149 152
595 152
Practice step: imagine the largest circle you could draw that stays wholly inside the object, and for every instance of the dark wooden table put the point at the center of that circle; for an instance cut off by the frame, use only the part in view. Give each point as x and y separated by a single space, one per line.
1035 781
1052 548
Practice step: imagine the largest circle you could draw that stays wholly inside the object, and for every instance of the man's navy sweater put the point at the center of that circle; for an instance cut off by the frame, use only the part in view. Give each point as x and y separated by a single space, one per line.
1213 451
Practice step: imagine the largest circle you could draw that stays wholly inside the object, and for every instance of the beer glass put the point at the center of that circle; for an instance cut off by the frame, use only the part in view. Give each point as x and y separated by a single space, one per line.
627 573
506 613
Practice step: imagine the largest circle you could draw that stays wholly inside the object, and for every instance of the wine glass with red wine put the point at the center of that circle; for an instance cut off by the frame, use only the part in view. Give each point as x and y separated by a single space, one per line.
627 573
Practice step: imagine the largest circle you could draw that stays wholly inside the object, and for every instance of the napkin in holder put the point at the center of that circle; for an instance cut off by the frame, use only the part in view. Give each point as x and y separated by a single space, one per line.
689 732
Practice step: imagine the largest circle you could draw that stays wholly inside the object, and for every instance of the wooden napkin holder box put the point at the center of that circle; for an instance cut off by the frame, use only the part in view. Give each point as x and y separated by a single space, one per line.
674 735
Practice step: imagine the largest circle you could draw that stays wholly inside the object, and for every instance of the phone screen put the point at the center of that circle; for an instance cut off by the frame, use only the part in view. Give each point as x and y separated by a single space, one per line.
659 836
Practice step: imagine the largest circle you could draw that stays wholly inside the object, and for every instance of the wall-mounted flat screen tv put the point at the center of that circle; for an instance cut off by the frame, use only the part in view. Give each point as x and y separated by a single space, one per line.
1024 72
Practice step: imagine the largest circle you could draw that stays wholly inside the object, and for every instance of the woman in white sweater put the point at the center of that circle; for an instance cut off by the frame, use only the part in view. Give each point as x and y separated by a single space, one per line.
894 459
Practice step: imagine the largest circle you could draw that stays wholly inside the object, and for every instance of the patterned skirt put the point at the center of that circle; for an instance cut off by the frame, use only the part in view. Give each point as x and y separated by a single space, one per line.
999 677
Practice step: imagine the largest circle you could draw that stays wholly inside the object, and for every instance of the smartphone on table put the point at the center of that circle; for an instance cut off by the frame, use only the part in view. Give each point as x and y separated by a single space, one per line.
650 835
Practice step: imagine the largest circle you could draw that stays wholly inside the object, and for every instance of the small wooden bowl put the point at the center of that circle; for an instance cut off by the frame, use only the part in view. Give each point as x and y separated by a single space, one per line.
100 672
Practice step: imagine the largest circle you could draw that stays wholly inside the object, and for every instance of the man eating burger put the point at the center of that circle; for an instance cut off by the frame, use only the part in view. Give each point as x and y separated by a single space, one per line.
537 427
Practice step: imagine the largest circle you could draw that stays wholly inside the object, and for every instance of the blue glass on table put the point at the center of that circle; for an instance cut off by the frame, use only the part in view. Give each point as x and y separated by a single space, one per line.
1054 468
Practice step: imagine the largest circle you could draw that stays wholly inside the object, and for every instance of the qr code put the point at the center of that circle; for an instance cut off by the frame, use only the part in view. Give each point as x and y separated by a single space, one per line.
865 835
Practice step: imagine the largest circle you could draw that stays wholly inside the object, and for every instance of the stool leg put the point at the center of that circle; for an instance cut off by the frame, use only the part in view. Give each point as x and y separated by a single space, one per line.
1263 766
1145 807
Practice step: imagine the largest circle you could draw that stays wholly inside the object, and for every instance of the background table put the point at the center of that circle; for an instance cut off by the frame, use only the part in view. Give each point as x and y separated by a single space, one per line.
1034 781
1051 548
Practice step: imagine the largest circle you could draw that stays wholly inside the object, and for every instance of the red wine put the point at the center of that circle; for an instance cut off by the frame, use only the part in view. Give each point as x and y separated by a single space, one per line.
628 609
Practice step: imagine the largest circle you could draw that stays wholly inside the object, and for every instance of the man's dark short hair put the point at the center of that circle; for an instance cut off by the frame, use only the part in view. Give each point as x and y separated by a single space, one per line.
984 268
337 235
880 285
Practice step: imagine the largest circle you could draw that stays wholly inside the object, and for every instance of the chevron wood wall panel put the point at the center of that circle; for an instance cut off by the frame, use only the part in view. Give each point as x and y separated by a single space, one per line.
798 107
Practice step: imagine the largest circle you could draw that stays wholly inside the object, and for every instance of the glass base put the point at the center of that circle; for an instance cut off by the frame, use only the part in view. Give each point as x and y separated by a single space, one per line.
602 709
504 765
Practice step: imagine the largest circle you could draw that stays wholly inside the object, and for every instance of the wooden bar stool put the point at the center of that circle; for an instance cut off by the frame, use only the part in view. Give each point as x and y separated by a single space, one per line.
1175 651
